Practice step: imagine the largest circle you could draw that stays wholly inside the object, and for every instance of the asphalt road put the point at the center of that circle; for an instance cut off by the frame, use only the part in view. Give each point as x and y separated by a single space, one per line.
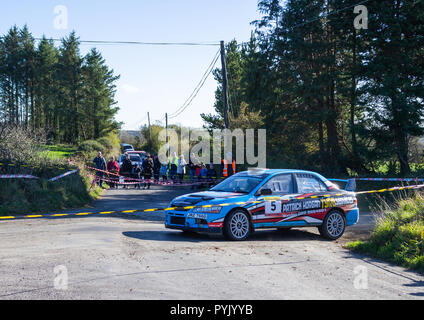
135 257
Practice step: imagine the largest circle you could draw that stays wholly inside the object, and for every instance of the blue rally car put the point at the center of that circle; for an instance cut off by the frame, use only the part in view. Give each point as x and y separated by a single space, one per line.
266 198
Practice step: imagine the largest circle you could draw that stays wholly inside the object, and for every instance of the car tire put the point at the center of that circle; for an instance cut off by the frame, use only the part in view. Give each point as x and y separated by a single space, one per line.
333 226
237 226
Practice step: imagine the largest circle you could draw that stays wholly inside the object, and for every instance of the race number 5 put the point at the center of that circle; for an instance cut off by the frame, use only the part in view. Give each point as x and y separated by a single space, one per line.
272 207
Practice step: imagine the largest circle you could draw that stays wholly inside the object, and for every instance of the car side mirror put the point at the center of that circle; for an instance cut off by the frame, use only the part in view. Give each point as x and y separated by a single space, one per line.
266 192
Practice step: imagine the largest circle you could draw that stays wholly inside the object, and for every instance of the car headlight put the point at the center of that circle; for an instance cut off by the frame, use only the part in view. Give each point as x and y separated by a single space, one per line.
212 209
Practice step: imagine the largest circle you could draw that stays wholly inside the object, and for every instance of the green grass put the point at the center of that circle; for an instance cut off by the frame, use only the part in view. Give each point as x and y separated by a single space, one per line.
399 234
58 151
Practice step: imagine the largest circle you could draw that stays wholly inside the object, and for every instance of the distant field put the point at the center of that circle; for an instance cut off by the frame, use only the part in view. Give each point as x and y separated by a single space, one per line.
59 151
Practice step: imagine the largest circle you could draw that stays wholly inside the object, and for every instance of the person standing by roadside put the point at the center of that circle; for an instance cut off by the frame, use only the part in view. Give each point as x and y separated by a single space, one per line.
192 165
228 166
156 167
173 166
100 164
164 171
126 168
113 167
147 171
137 175
181 168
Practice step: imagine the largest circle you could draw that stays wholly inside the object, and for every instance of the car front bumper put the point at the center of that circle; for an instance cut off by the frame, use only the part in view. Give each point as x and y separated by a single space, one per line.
202 224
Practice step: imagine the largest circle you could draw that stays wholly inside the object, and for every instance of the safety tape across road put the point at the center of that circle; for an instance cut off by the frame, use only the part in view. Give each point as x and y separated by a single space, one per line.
390 179
325 196
151 181
154 182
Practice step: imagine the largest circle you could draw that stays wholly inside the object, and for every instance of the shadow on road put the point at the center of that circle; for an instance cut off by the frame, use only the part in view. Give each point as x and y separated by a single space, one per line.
389 268
262 235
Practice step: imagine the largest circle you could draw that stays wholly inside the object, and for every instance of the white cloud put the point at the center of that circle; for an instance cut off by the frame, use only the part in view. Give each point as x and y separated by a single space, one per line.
130 89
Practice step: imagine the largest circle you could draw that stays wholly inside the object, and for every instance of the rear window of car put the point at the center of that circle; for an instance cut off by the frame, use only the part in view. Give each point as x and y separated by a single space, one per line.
135 158
307 183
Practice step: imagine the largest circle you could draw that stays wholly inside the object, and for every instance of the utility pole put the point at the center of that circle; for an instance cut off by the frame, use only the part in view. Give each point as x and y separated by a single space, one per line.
166 126
150 129
224 85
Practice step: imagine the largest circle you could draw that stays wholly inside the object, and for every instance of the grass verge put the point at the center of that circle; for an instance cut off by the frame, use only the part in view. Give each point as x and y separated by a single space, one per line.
398 236
58 151
21 196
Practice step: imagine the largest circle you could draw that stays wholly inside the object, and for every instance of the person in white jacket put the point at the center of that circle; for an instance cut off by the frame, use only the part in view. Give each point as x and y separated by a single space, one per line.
181 168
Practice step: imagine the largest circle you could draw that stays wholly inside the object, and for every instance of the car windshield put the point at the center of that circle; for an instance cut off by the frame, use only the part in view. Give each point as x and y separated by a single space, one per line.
135 158
238 183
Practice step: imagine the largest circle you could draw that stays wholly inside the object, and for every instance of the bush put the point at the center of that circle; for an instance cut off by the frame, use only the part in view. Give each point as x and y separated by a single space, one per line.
19 145
91 146
106 143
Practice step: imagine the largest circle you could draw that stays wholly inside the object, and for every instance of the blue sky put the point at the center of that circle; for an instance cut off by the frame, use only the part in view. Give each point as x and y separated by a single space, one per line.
153 78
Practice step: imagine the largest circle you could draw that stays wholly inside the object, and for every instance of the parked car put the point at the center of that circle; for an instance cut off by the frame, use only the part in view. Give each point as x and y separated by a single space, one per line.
282 201
135 159
126 147
142 154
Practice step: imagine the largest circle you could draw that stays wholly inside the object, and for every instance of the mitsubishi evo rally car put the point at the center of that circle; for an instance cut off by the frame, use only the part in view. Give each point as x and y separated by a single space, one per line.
268 198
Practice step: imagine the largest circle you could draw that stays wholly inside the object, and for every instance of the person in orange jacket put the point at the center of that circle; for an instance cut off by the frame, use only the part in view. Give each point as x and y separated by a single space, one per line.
228 166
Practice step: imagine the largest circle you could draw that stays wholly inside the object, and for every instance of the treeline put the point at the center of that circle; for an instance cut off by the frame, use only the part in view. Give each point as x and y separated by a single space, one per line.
55 89
332 98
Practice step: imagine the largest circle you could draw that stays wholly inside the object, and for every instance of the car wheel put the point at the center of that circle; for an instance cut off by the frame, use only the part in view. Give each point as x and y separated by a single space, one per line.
333 225
237 226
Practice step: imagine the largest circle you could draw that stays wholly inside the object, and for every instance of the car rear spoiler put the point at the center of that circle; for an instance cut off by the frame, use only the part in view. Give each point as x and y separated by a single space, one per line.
350 183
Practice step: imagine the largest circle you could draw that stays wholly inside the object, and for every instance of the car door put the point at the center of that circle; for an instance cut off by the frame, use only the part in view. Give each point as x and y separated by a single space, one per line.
271 213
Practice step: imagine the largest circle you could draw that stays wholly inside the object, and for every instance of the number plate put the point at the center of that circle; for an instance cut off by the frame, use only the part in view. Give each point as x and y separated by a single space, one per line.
197 215
273 207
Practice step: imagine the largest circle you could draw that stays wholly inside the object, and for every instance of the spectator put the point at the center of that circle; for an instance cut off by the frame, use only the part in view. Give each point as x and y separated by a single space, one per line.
156 167
192 165
147 171
211 174
113 167
211 171
164 171
203 174
181 168
173 166
126 168
137 175
100 164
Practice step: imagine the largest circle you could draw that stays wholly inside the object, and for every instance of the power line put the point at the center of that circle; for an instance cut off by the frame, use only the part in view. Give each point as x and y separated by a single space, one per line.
196 92
231 91
107 42
196 89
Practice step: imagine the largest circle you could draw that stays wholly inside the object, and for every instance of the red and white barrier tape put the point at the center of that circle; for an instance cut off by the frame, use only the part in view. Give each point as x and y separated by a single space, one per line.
17 176
152 181
27 176
63 175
